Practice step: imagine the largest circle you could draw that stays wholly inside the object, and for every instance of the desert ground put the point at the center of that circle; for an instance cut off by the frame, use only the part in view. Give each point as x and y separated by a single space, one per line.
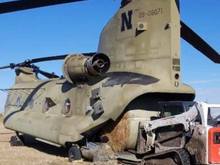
34 154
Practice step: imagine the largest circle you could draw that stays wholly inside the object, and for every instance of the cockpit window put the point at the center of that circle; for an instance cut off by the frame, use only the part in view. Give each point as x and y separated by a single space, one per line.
213 116
172 109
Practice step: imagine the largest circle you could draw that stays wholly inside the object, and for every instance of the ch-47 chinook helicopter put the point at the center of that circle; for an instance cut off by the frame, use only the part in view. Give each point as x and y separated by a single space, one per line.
103 97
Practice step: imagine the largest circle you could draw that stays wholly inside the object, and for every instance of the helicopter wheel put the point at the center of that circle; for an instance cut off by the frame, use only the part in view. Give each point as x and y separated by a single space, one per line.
74 153
16 141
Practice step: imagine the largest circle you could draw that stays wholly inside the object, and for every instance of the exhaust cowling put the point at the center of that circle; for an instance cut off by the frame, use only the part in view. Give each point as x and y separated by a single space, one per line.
79 67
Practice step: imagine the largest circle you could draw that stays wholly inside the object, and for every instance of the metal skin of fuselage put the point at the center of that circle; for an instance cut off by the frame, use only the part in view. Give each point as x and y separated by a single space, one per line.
142 41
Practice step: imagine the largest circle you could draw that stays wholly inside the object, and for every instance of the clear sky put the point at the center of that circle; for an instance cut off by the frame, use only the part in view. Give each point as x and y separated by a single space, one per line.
71 28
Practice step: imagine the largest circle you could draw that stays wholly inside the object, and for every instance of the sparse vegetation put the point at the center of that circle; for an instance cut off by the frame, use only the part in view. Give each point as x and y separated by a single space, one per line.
34 154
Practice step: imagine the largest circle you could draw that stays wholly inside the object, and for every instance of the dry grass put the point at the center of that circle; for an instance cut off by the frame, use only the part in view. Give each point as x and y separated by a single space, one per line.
34 154
118 134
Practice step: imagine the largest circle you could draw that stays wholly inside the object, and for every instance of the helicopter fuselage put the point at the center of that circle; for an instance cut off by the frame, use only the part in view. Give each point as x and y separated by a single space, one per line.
142 41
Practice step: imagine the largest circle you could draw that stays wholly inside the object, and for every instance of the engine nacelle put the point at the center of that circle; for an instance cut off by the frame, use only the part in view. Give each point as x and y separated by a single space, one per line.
79 67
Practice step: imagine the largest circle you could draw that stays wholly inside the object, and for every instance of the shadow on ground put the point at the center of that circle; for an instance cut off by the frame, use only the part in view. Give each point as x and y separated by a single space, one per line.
46 148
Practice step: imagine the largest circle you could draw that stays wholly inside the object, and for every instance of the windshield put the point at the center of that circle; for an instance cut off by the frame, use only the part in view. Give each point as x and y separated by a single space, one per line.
213 116
174 108
171 109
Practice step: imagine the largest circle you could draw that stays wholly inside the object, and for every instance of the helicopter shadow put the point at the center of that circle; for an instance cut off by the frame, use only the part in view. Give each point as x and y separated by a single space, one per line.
45 148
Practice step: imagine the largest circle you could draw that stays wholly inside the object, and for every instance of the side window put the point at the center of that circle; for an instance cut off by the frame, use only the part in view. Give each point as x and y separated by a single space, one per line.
213 116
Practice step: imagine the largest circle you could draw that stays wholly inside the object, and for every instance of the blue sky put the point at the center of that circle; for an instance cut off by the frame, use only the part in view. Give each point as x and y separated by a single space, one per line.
76 27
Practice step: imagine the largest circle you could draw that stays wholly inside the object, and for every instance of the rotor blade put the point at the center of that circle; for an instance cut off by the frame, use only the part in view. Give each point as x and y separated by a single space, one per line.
10 66
53 58
17 5
197 42
5 67
42 59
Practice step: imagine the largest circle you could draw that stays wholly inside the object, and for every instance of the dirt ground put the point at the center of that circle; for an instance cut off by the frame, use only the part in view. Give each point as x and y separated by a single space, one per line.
33 154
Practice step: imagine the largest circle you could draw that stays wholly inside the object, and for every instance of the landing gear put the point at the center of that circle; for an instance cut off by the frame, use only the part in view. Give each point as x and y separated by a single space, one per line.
74 153
16 141
21 139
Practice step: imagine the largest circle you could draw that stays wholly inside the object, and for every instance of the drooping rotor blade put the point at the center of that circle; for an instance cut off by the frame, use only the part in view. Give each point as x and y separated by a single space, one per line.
50 58
10 66
5 67
41 59
197 42
17 5
35 60
53 58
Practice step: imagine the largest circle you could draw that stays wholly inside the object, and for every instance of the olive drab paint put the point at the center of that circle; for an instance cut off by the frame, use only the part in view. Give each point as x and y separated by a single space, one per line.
142 42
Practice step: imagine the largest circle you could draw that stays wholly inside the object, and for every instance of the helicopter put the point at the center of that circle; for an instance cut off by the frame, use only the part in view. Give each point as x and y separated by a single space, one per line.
103 96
